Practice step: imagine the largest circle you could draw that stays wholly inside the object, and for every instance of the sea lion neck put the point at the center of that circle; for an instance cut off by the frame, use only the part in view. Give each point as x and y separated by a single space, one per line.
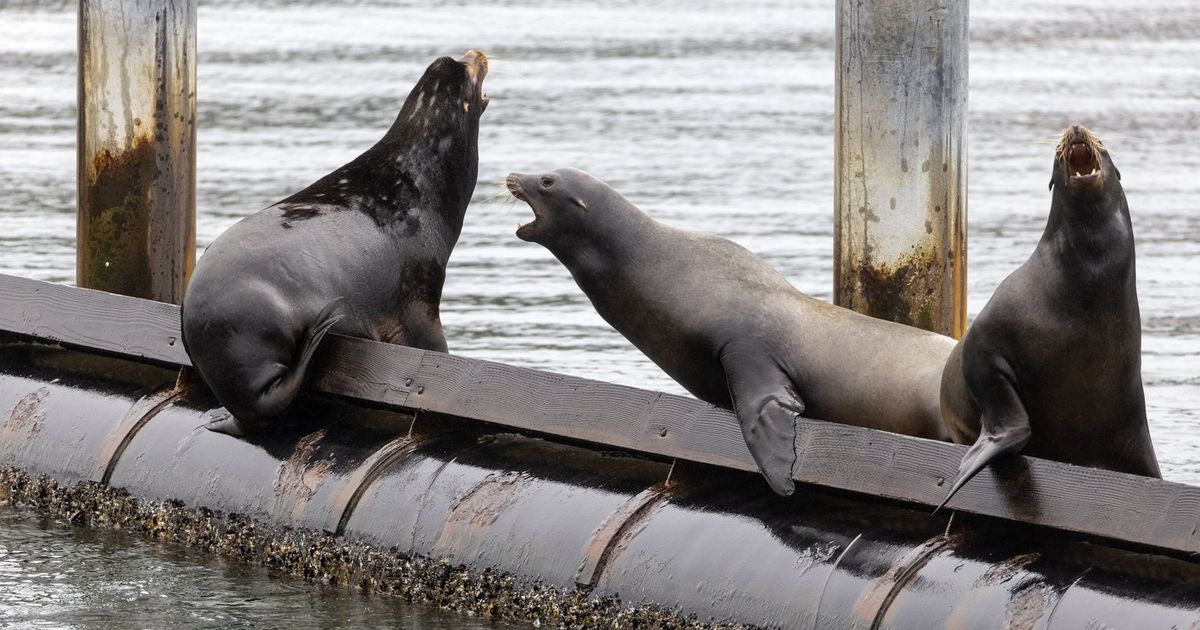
618 234
408 193
1090 237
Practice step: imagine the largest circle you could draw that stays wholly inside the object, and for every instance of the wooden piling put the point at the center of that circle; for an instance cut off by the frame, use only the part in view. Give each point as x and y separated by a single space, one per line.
900 236
136 171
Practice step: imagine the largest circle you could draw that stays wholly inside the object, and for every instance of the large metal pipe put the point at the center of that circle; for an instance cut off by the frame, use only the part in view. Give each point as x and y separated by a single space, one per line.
136 171
709 542
900 235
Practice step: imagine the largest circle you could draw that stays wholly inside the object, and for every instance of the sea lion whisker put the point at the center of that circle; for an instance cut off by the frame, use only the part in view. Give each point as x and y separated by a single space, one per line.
753 329
1018 375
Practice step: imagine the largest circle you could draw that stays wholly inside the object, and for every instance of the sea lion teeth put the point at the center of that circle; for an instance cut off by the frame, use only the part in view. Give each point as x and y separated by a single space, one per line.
732 330
1034 373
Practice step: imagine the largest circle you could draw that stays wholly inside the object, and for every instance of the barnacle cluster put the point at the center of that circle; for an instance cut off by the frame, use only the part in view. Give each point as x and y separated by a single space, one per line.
323 558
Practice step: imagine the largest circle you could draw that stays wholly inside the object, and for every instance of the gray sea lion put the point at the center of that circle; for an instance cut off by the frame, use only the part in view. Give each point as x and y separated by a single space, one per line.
361 252
1052 365
732 330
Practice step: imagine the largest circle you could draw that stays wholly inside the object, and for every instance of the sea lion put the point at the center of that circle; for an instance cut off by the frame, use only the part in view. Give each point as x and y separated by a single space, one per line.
1052 364
361 252
729 328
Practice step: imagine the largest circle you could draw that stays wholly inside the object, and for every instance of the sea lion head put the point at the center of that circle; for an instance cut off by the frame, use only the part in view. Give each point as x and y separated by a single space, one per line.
1083 170
448 97
562 203
569 205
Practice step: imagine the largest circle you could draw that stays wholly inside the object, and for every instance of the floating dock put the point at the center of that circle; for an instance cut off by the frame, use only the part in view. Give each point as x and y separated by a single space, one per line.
522 494
593 491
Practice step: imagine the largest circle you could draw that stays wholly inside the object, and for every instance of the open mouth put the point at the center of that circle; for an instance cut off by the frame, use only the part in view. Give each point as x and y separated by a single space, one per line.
1082 160
1079 151
513 183
477 63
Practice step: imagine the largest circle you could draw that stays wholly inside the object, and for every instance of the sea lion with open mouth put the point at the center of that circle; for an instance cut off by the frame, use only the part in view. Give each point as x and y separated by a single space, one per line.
1052 365
361 252
731 329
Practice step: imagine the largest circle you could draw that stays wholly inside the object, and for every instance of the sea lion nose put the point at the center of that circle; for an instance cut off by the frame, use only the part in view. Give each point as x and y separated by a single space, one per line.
477 60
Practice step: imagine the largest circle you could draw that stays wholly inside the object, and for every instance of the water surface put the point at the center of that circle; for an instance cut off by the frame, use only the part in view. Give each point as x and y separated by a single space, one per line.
714 115
56 576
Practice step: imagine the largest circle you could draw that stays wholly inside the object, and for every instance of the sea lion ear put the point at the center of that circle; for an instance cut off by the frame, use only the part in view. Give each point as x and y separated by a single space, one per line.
579 202
1117 171
1051 187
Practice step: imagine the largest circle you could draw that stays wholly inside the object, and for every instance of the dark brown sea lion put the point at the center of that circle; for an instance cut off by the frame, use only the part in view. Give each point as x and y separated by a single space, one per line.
360 252
1053 364
731 329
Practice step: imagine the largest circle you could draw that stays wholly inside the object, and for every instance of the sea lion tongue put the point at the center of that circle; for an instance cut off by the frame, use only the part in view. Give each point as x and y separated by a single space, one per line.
1080 159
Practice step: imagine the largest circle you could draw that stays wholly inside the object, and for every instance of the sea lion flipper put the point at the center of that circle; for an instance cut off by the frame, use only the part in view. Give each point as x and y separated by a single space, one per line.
1004 423
329 315
280 391
767 407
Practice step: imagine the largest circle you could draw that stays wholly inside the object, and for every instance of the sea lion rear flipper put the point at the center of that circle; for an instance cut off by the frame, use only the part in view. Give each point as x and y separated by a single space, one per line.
280 391
271 392
1004 424
767 406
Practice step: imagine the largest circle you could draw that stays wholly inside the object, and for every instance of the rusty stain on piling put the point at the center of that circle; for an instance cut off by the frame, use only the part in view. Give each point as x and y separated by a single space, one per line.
909 291
136 140
114 220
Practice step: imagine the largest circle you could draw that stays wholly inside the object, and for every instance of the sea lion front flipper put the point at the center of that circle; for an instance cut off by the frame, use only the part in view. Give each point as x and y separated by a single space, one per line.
767 406
1004 423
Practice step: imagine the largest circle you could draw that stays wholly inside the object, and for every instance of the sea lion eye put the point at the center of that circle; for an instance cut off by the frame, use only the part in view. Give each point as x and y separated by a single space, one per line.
547 181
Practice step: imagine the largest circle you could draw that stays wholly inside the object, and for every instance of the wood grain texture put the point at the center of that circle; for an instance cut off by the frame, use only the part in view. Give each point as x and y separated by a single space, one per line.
1072 498
96 320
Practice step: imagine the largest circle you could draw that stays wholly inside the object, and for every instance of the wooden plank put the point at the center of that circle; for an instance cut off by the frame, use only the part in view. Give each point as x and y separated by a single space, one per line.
96 320
1062 496
358 368
1039 492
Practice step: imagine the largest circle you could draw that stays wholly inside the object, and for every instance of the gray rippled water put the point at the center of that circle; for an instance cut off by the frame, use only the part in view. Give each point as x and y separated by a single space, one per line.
55 576
715 115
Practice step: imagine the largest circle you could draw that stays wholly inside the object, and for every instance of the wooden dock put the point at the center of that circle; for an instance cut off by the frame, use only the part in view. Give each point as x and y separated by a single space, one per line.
1120 507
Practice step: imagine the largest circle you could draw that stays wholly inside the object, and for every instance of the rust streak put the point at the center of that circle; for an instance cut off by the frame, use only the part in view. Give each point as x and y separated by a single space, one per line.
24 420
114 219
122 436
1028 605
301 473
347 498
481 506
876 601
1002 572
608 537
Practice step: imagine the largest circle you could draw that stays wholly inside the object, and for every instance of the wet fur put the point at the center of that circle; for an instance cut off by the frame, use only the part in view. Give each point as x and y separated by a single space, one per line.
1052 365
360 252
731 329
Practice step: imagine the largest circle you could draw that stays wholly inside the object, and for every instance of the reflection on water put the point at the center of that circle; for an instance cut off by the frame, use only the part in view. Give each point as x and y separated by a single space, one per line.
57 576
716 116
